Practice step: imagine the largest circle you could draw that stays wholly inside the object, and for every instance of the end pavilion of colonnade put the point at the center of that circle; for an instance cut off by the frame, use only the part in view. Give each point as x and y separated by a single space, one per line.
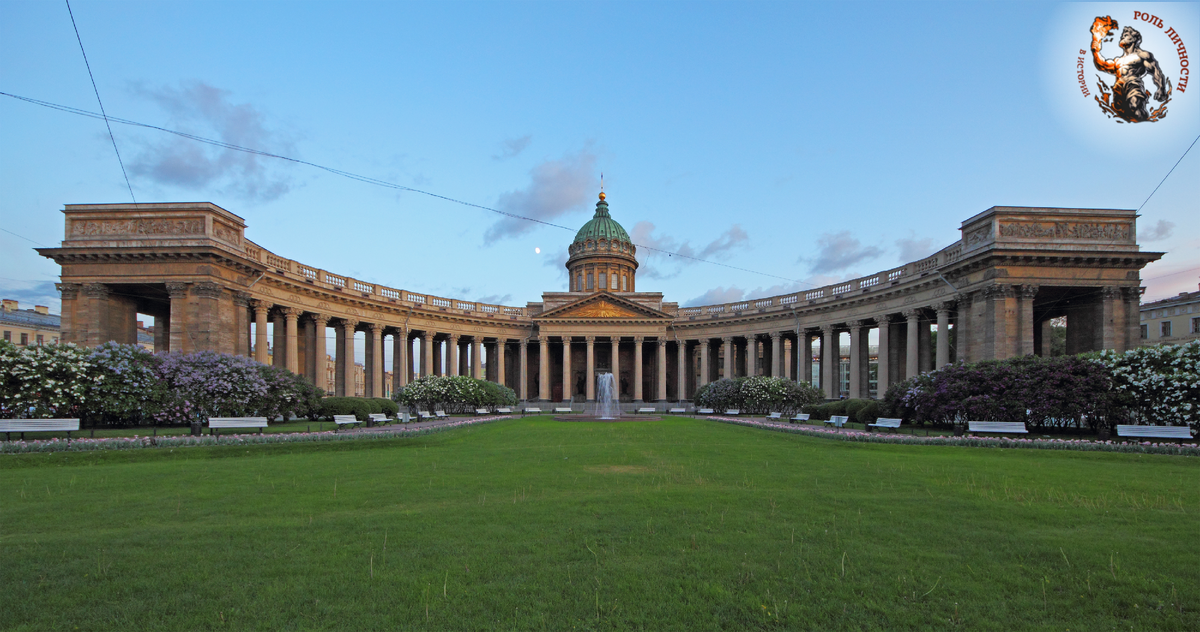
996 289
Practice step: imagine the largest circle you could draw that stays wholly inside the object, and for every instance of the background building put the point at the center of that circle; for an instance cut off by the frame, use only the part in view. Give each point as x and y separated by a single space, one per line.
1173 320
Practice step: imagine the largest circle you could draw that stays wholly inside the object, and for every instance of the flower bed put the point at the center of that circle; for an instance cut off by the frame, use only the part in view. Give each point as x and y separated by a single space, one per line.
135 442
1084 445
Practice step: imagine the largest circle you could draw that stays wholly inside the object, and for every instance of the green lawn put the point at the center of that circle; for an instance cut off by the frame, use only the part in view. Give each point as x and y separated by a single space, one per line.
534 524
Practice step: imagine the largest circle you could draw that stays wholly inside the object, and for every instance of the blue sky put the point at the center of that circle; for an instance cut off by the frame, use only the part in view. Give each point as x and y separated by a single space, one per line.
808 142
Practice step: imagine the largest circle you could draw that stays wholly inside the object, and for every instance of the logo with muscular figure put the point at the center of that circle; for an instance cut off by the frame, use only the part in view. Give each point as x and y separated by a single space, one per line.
1127 99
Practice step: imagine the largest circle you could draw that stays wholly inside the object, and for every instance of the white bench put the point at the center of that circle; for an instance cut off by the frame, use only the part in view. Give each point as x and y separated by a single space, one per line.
733 412
531 410
775 416
885 422
799 417
678 411
1181 433
704 411
217 423
504 411
562 409
1005 427
344 420
645 410
837 421
440 414
22 426
379 418
423 415
482 411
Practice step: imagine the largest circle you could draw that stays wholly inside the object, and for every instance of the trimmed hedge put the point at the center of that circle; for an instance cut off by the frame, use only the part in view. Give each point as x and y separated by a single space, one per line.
360 407
386 406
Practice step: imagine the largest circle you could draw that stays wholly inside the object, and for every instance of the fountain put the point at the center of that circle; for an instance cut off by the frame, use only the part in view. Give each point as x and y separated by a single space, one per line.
607 406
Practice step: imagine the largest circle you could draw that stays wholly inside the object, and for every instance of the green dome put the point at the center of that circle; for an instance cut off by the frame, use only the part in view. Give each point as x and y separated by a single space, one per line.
601 226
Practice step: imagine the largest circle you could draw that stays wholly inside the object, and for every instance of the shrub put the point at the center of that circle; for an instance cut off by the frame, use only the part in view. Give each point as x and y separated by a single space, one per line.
853 406
1159 384
386 406
357 406
757 395
453 394
867 414
125 387
45 380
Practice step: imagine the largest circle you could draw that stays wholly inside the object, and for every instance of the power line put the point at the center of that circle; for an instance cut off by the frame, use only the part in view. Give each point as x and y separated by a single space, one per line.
1185 153
23 237
363 179
97 91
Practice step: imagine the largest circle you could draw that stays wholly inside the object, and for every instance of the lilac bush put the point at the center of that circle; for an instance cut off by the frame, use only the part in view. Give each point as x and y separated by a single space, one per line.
125 387
44 380
1159 384
757 394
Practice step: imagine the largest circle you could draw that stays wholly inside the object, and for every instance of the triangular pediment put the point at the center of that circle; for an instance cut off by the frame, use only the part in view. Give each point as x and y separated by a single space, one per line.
603 306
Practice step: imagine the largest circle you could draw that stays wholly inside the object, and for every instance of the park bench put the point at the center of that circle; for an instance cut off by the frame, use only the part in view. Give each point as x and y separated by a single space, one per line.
733 412
563 410
440 414
215 424
504 411
8 426
1004 427
344 420
775 416
885 422
482 411
799 417
1179 433
424 415
379 418
704 411
645 410
837 421
531 410
678 411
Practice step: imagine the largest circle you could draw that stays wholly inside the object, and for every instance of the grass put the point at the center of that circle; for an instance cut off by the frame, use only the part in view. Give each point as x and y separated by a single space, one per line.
302 425
536 524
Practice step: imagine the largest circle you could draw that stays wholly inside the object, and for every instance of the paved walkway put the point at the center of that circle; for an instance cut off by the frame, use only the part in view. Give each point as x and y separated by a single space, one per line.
397 427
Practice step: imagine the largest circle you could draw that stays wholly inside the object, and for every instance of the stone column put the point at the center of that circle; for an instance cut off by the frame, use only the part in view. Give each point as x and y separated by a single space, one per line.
566 369
616 366
1024 345
681 372
426 354
544 369
662 370
279 342
703 363
831 356
776 354
320 376
1133 321
241 306
912 354
589 376
882 374
729 359
477 357
804 355
346 358
1045 337
374 385
943 336
261 308
997 329
637 368
524 390
68 324
291 317
501 347
179 342
1111 334
452 354
400 361
858 385
963 325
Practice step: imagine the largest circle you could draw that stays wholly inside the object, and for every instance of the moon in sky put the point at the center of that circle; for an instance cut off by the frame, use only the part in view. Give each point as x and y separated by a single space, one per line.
537 251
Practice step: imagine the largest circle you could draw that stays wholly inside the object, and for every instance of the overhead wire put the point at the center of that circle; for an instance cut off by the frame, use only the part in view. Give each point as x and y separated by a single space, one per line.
102 113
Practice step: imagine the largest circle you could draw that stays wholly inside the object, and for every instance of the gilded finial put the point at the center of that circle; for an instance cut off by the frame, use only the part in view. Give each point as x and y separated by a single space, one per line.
601 186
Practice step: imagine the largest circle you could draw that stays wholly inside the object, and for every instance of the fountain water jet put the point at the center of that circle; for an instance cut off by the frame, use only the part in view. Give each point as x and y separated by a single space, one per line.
607 406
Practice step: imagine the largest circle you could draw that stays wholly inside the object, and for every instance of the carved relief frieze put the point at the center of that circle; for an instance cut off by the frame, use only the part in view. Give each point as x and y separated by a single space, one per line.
105 227
979 235
227 233
1091 231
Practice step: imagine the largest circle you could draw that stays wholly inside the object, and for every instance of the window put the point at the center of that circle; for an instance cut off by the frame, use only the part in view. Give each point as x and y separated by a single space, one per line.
8 336
613 285
579 282
1196 325
40 340
603 281
1164 329
1145 331
589 280
24 339
624 283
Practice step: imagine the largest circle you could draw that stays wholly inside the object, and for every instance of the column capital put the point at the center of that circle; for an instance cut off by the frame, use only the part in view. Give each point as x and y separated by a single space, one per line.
827 330
775 335
348 325
257 304
290 313
1028 292
704 343
207 289
68 290
998 292
319 320
662 342
1133 293
854 324
454 337
95 290
1108 292
375 328
964 299
882 319
241 299
912 314
589 339
944 306
727 339
177 290
639 339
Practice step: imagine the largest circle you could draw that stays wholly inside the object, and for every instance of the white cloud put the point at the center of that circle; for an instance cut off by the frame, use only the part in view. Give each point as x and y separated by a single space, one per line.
655 252
912 249
511 147
838 251
556 187
1160 231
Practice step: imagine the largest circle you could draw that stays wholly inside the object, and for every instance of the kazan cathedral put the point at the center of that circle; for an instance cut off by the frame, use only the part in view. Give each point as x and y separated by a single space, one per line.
208 287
